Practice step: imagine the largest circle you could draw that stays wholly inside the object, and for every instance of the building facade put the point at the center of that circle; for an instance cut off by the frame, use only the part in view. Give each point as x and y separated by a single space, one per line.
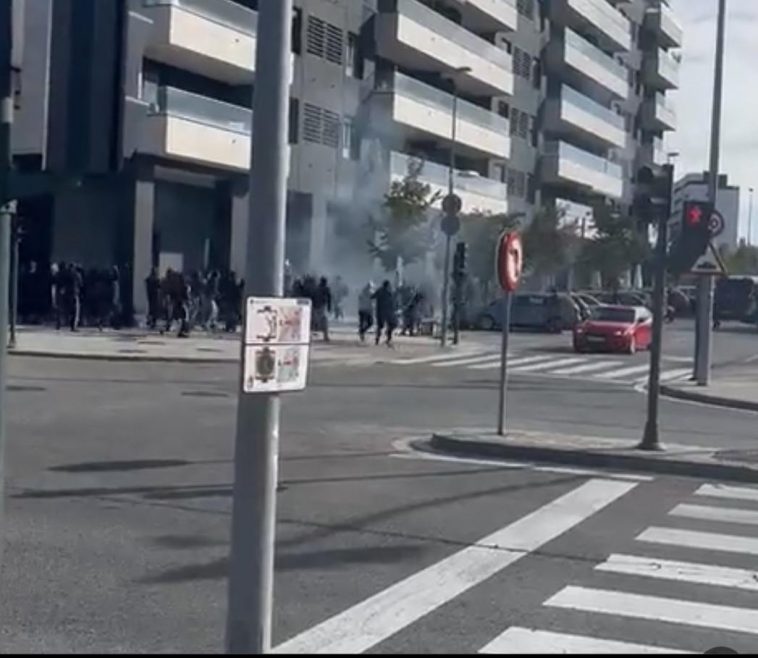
694 187
559 99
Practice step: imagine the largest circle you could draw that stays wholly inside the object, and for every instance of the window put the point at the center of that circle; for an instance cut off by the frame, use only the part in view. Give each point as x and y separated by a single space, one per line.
500 172
536 72
297 30
294 117
354 58
503 109
349 139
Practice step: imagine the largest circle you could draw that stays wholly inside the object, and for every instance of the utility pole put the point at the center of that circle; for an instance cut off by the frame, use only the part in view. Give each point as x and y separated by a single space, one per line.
13 297
251 569
7 207
704 331
750 217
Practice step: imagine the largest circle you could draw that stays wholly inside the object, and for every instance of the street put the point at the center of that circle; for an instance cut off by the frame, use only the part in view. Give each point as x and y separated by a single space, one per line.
118 502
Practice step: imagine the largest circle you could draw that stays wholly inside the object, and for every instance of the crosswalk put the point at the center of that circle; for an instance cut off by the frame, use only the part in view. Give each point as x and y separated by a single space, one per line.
595 367
630 588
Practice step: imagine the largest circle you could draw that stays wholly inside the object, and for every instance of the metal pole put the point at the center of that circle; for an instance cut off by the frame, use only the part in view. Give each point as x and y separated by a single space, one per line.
750 218
251 570
705 283
506 331
6 123
448 238
650 439
15 239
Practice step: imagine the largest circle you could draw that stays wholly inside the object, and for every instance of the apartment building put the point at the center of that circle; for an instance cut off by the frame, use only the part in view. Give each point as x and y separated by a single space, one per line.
554 100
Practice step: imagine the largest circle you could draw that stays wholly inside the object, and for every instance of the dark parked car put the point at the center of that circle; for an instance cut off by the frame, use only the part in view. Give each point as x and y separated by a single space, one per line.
541 311
736 298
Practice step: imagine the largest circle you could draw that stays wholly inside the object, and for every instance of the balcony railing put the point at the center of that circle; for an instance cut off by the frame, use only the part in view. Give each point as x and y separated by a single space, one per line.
595 54
201 109
668 66
225 12
599 11
664 107
440 100
437 175
566 151
452 31
581 101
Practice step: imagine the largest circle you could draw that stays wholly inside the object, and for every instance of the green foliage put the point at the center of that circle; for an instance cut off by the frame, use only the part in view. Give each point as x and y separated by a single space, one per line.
402 228
549 242
616 246
743 260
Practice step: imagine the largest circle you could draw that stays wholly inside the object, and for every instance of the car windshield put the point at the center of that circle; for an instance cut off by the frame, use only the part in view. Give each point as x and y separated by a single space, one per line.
610 314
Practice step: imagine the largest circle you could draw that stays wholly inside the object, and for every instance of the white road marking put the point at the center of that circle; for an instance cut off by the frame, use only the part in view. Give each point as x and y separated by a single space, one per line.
588 367
495 363
670 375
533 367
726 491
657 608
631 370
370 622
438 357
710 541
526 640
686 572
725 514
466 361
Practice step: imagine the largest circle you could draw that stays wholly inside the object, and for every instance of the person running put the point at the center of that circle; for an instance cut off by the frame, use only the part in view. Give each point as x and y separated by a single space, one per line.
385 312
365 310
322 306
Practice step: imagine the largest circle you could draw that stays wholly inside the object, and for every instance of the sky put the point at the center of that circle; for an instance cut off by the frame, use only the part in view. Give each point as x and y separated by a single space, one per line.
693 100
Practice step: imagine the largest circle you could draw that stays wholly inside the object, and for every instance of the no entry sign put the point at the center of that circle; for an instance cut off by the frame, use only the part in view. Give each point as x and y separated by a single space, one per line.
510 261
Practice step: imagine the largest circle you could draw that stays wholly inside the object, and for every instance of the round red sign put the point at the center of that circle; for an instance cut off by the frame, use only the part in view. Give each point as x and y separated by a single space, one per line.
510 261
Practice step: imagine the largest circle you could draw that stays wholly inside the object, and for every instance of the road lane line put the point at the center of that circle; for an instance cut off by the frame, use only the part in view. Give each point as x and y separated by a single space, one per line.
546 366
710 541
368 623
631 370
724 514
527 640
685 572
466 361
589 367
438 357
657 608
495 363
670 375
726 491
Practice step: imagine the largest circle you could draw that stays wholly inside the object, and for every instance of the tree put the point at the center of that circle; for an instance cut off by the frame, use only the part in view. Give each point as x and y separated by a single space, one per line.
480 232
548 242
402 229
616 246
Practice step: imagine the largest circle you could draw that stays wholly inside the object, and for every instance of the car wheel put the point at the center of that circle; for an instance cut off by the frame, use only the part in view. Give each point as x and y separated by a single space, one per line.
486 323
632 349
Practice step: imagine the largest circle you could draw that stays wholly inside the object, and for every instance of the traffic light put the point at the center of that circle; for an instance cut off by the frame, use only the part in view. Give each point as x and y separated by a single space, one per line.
459 260
652 201
694 236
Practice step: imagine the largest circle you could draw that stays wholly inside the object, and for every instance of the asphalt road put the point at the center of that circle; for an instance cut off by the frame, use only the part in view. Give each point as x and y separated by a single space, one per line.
118 499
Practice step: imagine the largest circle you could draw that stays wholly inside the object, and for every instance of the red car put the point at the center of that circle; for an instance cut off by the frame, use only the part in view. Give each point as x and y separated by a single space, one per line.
615 329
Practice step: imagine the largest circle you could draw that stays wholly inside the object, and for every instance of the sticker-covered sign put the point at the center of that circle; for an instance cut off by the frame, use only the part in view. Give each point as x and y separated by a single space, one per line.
277 338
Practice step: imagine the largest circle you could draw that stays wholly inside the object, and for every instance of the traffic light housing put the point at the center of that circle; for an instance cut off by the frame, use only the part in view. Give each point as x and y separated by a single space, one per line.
694 236
459 260
652 201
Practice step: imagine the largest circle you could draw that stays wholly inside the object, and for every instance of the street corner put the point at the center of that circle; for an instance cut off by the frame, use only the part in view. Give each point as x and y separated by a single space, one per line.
735 392
597 453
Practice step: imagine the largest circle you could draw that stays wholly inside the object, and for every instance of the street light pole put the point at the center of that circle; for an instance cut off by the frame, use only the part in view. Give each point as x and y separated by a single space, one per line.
750 217
450 191
705 283
251 562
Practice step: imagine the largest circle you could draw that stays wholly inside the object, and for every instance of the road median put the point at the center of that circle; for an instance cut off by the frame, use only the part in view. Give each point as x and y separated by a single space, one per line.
601 453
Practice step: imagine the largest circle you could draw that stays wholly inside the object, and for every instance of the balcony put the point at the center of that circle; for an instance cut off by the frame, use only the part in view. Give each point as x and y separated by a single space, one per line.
480 14
657 114
185 126
417 37
420 111
575 115
586 64
476 192
570 167
661 70
663 23
216 39
603 21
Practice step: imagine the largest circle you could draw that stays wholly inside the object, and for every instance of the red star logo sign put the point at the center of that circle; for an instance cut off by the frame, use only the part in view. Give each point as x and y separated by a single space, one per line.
694 215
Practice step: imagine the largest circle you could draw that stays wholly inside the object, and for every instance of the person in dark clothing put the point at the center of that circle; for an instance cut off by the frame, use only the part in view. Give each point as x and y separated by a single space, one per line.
385 312
153 292
322 306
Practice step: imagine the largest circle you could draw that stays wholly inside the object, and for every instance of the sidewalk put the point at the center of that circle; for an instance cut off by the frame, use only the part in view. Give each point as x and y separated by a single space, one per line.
736 388
591 452
200 347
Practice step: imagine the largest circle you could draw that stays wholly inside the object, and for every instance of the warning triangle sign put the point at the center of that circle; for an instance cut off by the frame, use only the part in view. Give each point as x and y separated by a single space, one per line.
709 263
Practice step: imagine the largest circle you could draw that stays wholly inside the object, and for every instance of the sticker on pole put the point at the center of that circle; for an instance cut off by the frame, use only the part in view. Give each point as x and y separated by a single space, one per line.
510 261
277 340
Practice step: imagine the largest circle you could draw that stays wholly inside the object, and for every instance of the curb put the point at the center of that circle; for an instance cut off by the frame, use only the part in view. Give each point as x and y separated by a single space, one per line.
707 398
575 457
123 358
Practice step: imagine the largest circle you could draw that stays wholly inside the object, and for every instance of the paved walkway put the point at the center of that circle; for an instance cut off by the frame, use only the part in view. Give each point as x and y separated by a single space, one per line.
735 387
200 347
